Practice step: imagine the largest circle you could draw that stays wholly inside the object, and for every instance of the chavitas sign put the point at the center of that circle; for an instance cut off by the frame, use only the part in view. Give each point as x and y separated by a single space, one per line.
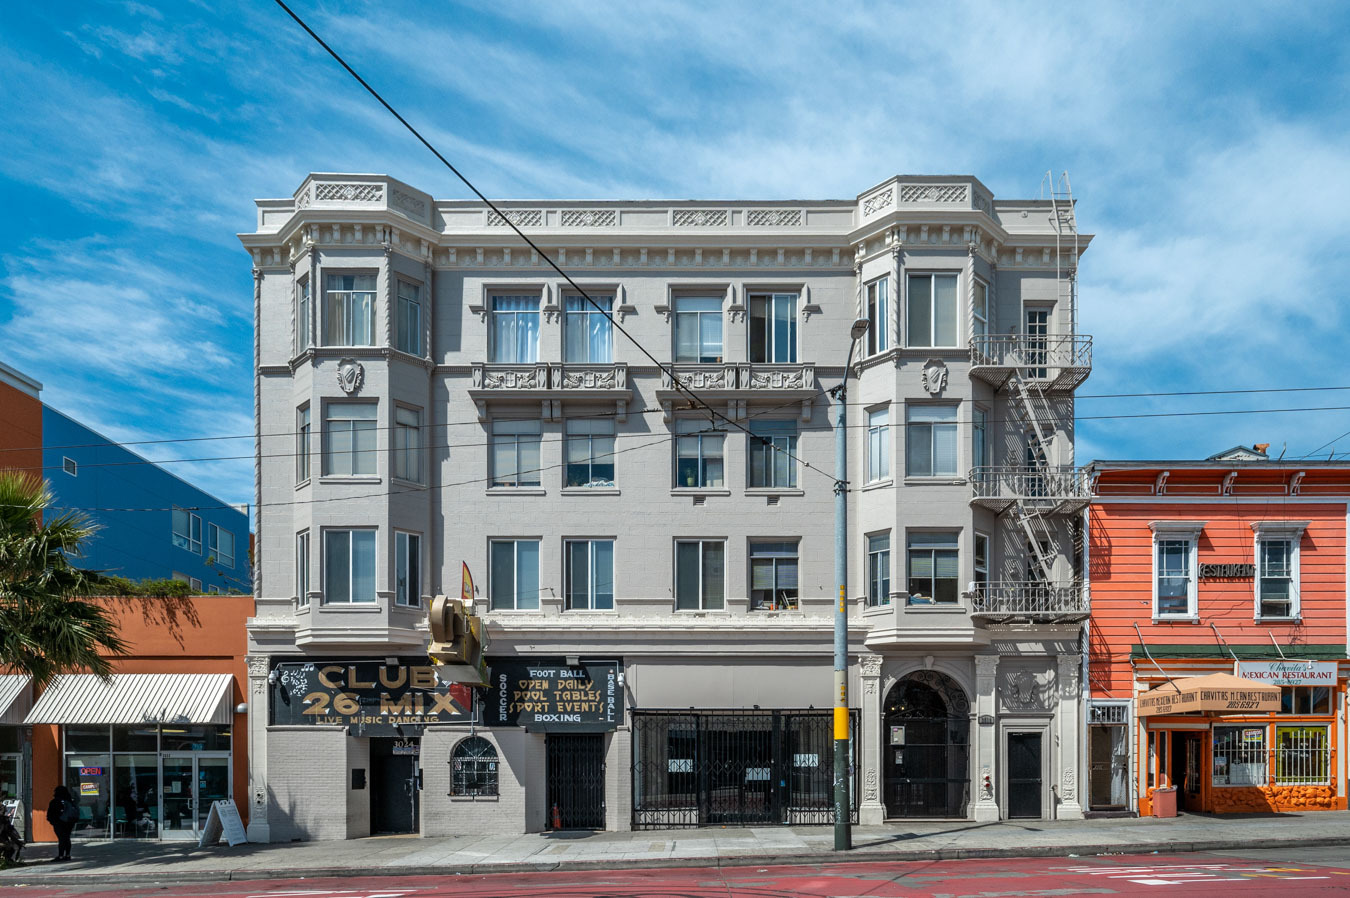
370 697
550 696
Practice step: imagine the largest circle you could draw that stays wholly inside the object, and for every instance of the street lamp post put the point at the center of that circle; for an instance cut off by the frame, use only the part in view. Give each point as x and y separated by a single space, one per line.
843 822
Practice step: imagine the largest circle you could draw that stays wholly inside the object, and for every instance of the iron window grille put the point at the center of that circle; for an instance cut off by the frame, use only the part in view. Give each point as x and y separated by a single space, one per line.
1240 756
1302 756
473 769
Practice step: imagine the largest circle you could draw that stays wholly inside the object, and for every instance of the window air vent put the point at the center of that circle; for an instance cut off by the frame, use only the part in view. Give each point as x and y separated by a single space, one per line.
699 500
770 500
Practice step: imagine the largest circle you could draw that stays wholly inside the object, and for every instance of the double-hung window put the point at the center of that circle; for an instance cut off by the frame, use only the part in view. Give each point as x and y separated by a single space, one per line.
302 433
700 575
932 310
698 329
588 335
698 455
187 530
934 569
878 316
930 441
773 576
349 310
773 328
303 315
407 569
1277 573
348 567
589 574
879 569
590 452
408 327
302 568
878 445
773 454
515 330
1175 568
349 439
979 310
220 542
515 453
408 444
979 443
513 574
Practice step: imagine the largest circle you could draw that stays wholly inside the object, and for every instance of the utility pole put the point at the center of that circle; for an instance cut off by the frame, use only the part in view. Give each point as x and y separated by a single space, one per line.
843 817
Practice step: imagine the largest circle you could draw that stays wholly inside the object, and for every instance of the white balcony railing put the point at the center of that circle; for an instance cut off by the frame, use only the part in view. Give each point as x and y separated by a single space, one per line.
1062 488
1055 360
1029 599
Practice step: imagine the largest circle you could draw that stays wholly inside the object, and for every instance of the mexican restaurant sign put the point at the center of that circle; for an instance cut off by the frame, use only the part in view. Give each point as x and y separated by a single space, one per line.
1289 673
548 696
1215 693
370 697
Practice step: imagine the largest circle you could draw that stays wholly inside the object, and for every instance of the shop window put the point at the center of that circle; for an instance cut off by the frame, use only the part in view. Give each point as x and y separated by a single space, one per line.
1302 756
473 768
1240 756
1305 700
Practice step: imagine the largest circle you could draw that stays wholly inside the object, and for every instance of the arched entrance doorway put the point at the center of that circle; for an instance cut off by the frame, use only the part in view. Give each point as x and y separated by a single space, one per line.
926 747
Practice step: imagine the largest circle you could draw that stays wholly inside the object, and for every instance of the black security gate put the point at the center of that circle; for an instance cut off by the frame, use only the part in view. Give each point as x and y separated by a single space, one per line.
1024 775
926 748
734 768
576 780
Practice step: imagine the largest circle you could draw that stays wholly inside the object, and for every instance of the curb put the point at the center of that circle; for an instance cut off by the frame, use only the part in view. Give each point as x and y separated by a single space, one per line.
738 860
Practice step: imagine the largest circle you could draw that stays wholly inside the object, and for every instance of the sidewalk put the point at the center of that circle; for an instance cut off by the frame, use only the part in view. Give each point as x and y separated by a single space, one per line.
146 862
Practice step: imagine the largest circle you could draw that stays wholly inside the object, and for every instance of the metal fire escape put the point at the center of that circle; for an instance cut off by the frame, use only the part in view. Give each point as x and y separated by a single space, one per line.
1036 371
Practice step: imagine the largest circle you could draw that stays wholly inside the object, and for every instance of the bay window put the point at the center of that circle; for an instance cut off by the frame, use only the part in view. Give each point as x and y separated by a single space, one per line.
878 316
408 444
879 569
408 327
407 569
934 569
348 566
878 445
930 441
349 439
932 310
349 310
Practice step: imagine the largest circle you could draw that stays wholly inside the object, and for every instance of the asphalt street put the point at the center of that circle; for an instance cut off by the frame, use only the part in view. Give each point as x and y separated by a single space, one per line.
1256 872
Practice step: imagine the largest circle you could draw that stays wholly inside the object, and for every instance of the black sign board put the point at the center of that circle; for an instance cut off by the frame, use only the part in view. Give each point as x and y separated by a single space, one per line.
371 697
547 695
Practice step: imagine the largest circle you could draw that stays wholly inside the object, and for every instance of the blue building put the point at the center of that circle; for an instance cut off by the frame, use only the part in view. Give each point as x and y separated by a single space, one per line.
184 533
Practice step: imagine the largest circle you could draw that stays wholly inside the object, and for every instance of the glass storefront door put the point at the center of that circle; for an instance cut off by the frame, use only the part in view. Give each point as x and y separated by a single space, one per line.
191 781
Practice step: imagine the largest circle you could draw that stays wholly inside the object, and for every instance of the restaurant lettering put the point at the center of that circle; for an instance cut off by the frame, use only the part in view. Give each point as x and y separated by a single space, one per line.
1227 571
545 697
1289 673
372 698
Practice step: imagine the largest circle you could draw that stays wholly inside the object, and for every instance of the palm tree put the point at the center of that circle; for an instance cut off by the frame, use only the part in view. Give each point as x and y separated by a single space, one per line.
45 626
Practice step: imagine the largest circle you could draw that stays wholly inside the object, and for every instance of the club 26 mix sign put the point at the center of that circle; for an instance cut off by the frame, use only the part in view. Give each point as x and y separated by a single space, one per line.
370 697
550 696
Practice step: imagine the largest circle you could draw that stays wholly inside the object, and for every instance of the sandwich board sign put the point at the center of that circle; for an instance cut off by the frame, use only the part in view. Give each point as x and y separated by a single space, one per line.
223 819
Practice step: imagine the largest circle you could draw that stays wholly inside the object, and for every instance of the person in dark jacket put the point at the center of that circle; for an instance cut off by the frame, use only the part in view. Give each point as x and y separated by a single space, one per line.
62 814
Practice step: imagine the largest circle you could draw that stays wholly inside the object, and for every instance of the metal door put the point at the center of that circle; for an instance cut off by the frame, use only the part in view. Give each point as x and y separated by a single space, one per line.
926 766
576 780
1024 775
190 782
394 785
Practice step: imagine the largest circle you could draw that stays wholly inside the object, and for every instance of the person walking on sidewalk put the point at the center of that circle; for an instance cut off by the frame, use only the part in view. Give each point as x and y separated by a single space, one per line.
62 814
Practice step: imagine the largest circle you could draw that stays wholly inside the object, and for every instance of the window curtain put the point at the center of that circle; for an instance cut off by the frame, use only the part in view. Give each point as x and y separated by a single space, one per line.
588 331
515 329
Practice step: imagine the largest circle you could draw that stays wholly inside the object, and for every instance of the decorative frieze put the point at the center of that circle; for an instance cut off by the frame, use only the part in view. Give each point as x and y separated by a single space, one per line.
406 202
774 218
347 192
878 202
935 193
700 218
589 218
521 218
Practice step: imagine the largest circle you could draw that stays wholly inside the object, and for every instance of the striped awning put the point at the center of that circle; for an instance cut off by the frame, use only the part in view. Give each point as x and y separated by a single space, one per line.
16 697
135 698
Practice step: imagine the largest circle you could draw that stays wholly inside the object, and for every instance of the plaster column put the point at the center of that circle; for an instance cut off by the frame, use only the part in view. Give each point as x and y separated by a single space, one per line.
986 806
259 829
871 811
1069 808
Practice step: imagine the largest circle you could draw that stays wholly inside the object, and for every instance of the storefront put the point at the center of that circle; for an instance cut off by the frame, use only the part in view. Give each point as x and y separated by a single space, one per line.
16 697
1267 739
143 755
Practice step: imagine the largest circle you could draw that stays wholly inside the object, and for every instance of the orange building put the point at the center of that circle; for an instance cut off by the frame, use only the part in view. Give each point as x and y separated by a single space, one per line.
21 412
1235 565
145 755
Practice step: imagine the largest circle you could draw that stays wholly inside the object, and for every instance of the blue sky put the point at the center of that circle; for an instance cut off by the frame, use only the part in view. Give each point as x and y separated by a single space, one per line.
1207 143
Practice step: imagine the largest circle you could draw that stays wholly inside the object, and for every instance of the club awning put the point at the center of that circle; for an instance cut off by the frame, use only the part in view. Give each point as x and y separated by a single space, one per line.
16 697
134 698
1218 693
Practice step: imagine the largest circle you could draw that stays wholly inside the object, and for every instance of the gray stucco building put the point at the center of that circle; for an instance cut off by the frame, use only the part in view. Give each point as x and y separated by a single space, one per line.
658 579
